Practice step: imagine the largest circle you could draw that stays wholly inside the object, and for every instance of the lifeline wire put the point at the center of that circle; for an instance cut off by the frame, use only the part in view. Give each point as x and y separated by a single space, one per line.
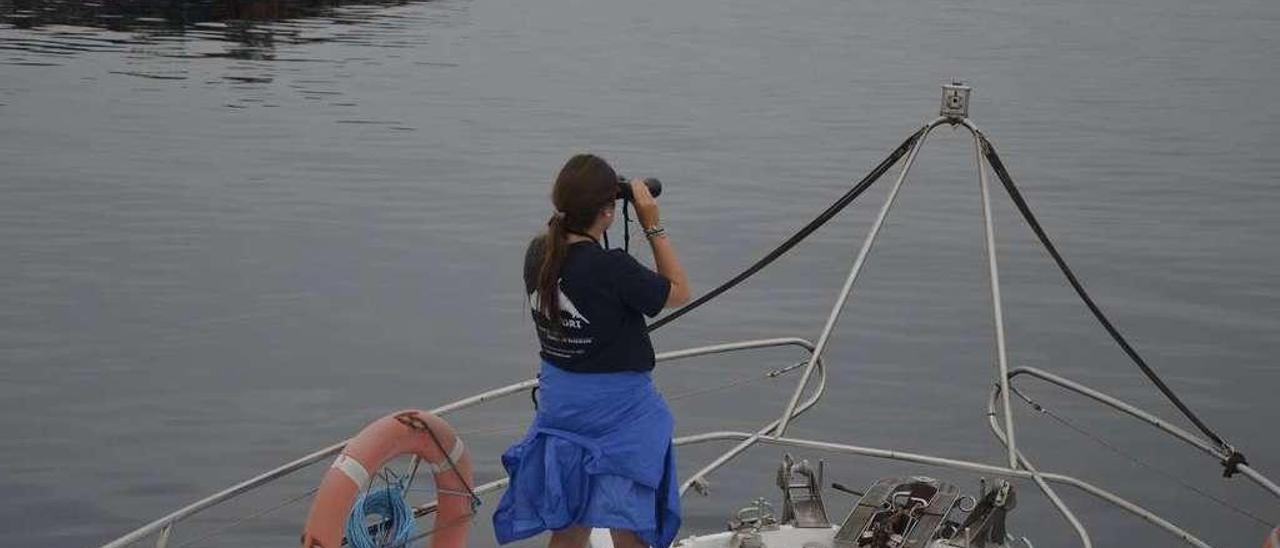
796 238
771 374
1233 457
260 513
1098 439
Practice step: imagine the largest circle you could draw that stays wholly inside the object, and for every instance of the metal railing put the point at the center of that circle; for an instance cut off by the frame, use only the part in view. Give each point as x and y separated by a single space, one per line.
163 526
1202 444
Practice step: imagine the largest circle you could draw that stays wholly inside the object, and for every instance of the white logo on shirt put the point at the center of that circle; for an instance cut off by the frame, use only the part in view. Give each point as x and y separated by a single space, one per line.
566 306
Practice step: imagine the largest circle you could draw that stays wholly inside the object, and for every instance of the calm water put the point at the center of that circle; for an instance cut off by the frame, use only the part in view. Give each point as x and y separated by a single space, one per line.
234 232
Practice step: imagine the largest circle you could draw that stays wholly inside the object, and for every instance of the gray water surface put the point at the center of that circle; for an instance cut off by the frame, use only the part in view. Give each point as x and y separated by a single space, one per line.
235 232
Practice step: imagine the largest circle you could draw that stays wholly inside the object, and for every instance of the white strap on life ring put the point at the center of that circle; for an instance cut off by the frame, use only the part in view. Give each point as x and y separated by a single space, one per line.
353 469
454 455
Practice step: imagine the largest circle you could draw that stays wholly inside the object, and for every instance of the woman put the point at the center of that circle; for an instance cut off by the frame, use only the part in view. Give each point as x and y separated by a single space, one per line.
598 453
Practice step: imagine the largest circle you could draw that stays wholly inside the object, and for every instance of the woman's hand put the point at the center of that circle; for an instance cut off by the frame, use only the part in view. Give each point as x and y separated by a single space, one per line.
645 204
664 254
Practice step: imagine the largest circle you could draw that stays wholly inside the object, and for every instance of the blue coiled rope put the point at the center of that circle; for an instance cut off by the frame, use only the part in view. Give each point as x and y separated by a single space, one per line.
394 529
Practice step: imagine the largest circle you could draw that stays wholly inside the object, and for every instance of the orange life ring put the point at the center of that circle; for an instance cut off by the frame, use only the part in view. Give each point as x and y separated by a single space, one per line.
407 432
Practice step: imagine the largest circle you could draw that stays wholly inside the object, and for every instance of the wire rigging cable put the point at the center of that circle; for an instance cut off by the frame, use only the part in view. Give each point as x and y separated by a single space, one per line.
1232 457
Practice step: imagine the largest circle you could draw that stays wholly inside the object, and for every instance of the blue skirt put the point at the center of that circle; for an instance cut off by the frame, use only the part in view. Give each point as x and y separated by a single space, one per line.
598 454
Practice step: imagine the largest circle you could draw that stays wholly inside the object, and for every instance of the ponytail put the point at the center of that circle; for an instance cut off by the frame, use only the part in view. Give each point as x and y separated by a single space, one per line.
554 249
585 184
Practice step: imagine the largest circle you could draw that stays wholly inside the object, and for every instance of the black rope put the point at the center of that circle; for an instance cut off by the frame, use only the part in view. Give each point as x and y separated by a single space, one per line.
796 238
1003 174
453 467
413 422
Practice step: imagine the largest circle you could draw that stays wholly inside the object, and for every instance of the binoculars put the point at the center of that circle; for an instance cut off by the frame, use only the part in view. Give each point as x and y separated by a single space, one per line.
624 188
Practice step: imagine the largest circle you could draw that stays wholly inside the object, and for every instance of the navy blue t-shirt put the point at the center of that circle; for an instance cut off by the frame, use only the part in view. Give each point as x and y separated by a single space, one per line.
604 296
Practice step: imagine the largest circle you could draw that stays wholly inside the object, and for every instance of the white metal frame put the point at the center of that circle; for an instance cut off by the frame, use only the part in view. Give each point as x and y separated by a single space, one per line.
1018 465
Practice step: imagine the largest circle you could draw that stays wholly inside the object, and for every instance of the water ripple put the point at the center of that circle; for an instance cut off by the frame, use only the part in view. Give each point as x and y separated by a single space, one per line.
261 51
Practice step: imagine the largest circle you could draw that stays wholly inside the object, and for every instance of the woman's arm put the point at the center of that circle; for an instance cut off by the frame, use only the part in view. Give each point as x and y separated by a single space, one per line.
664 253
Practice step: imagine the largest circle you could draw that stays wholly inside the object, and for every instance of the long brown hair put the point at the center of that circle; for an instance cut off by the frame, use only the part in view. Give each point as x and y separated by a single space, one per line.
585 185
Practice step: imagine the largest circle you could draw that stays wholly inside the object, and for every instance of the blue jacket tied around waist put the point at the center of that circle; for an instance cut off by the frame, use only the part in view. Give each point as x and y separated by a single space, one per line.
598 454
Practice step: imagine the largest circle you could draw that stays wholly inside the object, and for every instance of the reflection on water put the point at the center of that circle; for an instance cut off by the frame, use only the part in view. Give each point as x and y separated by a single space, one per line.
250 29
266 53
135 14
